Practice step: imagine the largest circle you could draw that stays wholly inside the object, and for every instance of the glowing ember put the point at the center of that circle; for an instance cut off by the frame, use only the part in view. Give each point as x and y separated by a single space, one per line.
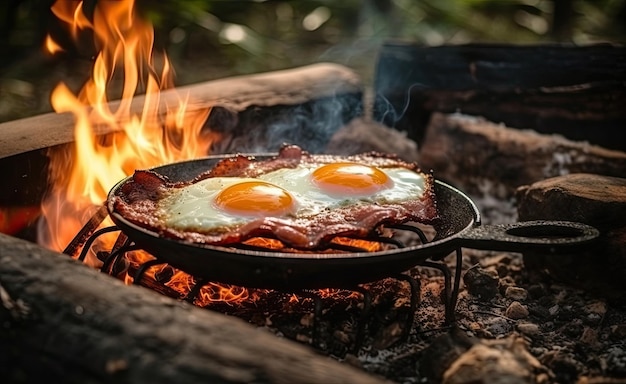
141 132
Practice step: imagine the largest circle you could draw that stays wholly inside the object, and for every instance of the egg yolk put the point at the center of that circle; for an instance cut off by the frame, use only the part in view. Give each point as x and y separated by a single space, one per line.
350 179
255 198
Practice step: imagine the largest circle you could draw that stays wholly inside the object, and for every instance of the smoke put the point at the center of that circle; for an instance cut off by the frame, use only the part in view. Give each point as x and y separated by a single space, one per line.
310 125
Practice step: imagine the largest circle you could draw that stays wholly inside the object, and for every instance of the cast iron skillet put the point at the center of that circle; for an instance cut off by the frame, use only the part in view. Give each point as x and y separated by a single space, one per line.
459 226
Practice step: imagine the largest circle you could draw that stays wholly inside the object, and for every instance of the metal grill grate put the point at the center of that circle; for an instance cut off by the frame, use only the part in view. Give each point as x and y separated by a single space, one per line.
115 263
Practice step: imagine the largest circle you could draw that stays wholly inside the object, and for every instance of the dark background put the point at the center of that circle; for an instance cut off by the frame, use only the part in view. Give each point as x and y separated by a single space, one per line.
198 36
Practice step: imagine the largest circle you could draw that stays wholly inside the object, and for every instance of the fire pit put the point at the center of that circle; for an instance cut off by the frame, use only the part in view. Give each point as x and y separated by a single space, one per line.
321 312
404 313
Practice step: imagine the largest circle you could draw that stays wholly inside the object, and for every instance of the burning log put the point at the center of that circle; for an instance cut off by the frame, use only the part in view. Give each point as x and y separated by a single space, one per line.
239 107
65 322
226 98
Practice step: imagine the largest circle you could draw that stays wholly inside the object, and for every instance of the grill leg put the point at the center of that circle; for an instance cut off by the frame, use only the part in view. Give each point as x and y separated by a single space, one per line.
143 268
416 293
365 312
195 290
86 231
451 292
317 315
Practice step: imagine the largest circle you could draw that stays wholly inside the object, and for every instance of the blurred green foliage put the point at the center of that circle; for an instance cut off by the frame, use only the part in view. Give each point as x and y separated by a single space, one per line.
207 39
276 34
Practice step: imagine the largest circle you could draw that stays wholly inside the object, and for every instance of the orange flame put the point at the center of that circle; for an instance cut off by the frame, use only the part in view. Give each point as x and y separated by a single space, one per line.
112 140
52 46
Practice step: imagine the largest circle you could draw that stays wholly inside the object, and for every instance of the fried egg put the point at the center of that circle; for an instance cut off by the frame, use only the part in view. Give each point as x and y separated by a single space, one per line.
304 201
217 204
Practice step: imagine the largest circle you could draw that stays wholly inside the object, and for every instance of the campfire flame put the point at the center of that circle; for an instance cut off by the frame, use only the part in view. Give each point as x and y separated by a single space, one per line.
113 139
52 46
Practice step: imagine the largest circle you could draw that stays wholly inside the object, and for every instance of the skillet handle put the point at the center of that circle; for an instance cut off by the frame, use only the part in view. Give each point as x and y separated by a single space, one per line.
550 236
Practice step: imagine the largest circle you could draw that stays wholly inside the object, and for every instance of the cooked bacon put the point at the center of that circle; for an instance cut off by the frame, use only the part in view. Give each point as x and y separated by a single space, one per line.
290 156
136 201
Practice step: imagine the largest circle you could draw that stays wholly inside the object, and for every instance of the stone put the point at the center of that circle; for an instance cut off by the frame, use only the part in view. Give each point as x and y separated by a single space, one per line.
618 332
516 293
482 283
589 337
563 364
498 326
616 361
494 361
516 311
592 199
442 352
528 329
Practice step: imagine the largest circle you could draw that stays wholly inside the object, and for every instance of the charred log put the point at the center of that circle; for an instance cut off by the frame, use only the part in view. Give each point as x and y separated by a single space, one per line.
578 92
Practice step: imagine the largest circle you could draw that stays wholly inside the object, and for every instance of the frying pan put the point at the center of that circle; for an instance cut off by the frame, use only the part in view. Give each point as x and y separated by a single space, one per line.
459 226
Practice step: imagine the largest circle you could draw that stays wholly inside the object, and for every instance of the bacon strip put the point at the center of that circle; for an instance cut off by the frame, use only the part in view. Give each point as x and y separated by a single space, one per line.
137 202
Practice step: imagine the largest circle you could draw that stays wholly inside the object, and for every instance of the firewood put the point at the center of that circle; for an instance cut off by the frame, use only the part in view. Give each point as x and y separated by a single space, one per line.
592 199
482 157
576 91
64 322
253 113
236 94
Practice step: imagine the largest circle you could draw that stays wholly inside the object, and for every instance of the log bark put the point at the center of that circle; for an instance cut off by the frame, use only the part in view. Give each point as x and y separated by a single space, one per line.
482 157
61 321
578 92
287 87
254 113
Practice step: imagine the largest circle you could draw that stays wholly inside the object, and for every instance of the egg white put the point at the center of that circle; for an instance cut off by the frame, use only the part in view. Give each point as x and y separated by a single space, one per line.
192 207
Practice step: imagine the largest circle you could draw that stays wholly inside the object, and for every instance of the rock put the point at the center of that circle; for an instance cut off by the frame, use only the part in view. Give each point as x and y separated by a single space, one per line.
597 308
497 361
596 200
573 329
595 312
616 361
516 293
563 364
528 329
618 332
516 311
498 326
442 352
589 337
482 283
537 291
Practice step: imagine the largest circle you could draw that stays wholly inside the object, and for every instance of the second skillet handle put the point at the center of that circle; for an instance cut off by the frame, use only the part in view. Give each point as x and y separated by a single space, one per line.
550 236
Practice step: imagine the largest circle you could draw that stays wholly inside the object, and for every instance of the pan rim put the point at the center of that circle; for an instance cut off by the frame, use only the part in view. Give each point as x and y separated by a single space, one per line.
448 242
